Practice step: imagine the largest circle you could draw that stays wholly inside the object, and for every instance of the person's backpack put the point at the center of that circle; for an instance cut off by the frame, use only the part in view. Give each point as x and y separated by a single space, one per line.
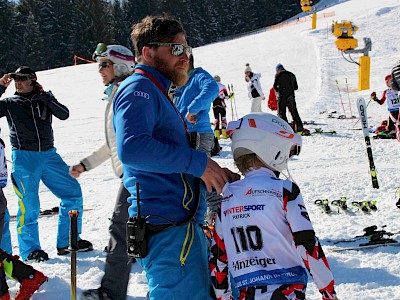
217 148
272 102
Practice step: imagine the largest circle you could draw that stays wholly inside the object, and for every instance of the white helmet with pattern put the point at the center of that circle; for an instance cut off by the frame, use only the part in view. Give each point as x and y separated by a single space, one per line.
122 58
266 135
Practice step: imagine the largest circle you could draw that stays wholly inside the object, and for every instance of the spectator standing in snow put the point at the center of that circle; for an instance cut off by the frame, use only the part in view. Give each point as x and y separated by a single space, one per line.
254 89
30 279
154 148
284 85
273 238
193 100
116 63
29 115
219 109
392 99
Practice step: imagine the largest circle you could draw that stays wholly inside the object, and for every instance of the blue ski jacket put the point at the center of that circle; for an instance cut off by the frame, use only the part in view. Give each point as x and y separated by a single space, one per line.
154 150
196 97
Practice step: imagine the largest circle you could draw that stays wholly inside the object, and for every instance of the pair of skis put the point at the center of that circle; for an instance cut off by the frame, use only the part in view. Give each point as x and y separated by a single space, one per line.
376 238
233 102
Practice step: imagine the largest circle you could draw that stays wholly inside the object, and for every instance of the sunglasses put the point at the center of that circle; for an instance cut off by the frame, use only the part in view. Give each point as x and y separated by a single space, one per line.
104 64
19 78
177 49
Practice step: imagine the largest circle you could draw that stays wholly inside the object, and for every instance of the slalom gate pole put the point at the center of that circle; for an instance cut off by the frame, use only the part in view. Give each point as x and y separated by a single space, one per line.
341 100
73 247
348 96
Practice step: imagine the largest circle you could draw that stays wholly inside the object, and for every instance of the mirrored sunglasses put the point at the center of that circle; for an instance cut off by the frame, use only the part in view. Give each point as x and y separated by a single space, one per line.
100 49
19 78
177 49
104 64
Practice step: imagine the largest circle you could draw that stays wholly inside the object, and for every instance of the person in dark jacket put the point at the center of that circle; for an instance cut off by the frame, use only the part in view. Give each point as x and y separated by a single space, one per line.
29 115
284 85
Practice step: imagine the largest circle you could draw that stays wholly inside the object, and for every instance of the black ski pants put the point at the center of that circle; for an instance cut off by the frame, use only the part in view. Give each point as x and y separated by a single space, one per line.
289 102
118 264
220 117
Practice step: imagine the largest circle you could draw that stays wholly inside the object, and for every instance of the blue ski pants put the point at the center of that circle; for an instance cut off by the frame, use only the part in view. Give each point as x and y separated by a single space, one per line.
29 167
177 264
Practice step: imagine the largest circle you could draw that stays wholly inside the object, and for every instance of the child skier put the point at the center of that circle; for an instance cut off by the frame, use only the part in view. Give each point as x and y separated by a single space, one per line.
219 110
263 235
29 278
392 99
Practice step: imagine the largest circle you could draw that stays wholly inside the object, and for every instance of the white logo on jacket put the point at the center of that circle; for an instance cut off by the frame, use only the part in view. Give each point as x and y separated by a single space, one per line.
141 94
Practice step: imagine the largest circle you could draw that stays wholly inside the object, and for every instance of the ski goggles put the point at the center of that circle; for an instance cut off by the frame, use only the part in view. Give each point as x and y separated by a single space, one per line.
177 49
101 49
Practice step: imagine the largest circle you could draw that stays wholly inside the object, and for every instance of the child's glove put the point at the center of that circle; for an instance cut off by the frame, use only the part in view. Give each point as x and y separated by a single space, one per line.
373 96
231 95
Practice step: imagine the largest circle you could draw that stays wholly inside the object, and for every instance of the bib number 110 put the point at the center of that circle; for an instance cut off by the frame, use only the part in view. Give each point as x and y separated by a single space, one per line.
246 238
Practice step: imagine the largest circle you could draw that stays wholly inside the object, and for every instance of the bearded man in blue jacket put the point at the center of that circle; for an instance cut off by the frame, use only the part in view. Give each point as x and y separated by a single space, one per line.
153 146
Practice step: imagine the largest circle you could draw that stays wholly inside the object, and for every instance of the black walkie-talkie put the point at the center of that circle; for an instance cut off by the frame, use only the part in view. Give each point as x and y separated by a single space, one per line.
136 232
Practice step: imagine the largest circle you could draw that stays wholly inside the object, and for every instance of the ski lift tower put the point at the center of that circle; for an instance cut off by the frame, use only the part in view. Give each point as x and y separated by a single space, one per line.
346 43
306 7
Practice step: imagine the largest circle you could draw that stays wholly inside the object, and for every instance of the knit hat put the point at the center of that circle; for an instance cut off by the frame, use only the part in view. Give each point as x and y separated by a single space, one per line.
279 67
247 69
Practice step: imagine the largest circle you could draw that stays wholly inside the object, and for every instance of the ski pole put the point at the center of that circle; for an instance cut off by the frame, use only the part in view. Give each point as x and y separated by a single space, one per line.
348 96
73 247
230 87
341 100
234 102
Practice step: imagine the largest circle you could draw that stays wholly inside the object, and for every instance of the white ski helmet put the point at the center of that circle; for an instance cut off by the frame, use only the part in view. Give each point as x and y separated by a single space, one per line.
122 58
266 135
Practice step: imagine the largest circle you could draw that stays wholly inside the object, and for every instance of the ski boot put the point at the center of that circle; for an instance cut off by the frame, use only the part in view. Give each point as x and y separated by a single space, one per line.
324 205
398 201
30 279
217 133
224 136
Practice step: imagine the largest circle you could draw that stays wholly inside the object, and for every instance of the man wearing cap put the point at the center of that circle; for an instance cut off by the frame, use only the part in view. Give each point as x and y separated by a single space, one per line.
256 93
284 85
29 115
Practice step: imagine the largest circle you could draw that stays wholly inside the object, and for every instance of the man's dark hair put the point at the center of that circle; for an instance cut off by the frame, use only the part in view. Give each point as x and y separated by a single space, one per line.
152 29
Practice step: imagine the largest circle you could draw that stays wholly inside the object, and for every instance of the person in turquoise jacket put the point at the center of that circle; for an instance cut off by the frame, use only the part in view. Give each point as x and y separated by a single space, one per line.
193 101
154 148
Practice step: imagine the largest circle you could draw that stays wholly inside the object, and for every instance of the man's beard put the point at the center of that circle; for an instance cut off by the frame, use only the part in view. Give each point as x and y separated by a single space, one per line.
177 76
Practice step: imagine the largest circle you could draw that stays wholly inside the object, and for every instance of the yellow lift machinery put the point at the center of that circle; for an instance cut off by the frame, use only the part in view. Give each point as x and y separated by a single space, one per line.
346 43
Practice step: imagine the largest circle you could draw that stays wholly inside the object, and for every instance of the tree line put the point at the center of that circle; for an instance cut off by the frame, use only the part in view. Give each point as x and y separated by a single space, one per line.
46 34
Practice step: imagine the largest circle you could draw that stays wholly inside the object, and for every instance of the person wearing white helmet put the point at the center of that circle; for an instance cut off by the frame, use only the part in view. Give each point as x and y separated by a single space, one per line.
263 235
116 63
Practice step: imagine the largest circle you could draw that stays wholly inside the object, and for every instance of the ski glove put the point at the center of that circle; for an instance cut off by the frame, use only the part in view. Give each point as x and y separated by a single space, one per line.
373 97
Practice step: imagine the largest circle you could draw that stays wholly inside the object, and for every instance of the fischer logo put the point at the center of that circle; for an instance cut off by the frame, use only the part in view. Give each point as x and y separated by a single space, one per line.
141 94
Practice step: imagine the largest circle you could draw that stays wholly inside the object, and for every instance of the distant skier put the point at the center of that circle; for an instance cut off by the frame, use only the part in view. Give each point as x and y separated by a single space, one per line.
219 109
392 99
263 235
284 85
256 93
